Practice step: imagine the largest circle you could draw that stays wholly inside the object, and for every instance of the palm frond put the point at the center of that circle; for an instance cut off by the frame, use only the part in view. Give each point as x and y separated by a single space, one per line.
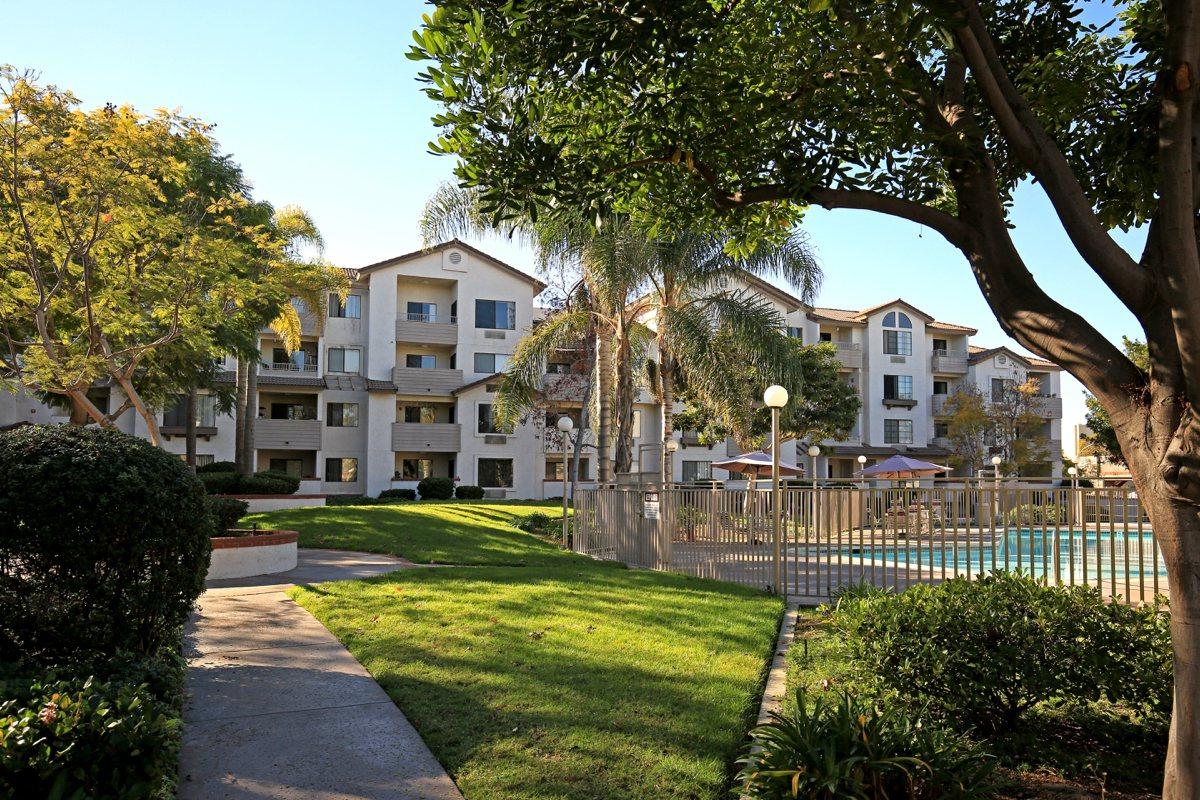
522 382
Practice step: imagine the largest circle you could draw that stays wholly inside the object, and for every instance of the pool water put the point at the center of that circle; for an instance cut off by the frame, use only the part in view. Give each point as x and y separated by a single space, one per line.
1078 553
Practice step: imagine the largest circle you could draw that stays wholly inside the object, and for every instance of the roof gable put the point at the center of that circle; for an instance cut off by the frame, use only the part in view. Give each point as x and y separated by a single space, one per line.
461 245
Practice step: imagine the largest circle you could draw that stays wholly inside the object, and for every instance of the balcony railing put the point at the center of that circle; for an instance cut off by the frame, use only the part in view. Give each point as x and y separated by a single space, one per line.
287 434
287 368
938 404
426 437
427 328
949 362
1047 406
849 354
413 380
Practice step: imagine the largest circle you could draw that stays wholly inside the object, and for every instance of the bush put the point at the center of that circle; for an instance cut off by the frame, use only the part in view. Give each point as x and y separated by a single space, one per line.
398 494
265 482
1032 514
981 653
537 523
350 500
849 748
468 492
83 737
226 511
436 488
105 546
217 466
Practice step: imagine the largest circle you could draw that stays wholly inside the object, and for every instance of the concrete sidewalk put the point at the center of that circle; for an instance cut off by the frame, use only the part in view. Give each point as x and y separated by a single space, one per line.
278 708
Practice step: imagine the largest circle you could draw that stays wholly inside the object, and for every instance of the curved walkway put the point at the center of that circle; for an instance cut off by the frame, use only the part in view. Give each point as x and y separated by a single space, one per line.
278 708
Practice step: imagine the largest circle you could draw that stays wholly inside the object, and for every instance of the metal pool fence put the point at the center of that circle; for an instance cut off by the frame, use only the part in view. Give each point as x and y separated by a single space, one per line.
834 537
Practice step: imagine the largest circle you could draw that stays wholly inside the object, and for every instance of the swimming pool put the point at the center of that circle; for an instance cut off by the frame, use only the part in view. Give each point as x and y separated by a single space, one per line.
1065 555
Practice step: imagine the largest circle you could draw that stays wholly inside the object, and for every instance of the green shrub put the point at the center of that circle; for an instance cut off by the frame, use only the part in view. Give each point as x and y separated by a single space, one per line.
1037 514
850 748
226 511
981 653
398 494
105 545
265 482
220 482
468 492
290 482
436 488
350 500
538 524
82 737
216 466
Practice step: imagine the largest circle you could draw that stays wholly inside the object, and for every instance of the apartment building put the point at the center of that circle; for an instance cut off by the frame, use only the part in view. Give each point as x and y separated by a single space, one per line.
397 383
905 364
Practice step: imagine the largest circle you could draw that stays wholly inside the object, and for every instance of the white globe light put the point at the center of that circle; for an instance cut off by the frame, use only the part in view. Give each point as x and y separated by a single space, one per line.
565 424
1072 471
775 396
996 461
862 460
814 451
672 445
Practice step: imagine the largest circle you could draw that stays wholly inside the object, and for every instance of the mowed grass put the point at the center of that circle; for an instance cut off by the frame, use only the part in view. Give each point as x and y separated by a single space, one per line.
466 533
573 681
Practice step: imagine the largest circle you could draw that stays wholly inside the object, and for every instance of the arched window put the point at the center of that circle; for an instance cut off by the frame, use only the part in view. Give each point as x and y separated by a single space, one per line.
897 334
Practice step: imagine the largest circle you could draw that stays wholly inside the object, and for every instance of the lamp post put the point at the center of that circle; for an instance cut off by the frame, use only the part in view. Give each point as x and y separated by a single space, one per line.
813 452
669 449
776 397
1074 473
564 426
996 482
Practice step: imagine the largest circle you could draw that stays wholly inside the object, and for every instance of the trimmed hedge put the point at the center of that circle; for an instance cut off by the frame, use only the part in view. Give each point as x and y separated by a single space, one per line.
105 545
226 512
436 488
217 466
398 494
265 482
468 492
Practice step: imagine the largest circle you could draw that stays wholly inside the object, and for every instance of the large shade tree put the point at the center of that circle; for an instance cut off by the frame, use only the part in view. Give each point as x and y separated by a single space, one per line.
932 112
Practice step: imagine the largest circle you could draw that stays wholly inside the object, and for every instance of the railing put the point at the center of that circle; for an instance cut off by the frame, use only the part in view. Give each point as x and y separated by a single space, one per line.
849 354
287 366
437 319
950 361
833 537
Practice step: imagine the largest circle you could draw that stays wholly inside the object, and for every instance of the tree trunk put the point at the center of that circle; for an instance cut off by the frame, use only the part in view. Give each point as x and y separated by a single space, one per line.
190 411
251 417
585 407
241 409
623 456
84 410
604 384
148 416
666 379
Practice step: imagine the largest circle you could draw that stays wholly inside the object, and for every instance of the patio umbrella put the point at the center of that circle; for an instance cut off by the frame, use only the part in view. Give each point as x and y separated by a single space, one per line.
899 466
757 464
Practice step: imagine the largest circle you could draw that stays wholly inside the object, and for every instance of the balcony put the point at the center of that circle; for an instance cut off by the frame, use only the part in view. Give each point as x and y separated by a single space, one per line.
938 405
307 369
1047 407
287 434
552 441
942 442
427 329
426 437
949 362
849 354
413 380
564 386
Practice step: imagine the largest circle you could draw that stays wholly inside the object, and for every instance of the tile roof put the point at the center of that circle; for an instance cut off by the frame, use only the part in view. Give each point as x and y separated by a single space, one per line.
977 354
390 262
473 384
859 316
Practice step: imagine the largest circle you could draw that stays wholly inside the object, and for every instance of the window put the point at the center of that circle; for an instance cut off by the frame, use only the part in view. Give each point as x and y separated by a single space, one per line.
345 359
940 346
796 333
419 415
941 430
286 409
176 415
419 361
489 363
487 424
826 336
558 368
554 469
414 469
898 431
1001 387
350 308
897 319
897 343
697 471
341 415
897 387
422 312
500 314
341 470
495 473
941 387
299 359
289 465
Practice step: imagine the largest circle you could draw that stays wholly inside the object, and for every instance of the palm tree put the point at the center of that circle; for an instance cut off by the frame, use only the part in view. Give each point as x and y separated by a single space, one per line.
303 284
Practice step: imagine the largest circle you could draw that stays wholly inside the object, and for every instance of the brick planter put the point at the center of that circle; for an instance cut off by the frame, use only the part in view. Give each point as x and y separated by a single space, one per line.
256 553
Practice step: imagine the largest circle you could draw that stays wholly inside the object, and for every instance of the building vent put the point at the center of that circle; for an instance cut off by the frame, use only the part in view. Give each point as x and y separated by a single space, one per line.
898 360
494 335
494 494
455 257
1001 359
495 440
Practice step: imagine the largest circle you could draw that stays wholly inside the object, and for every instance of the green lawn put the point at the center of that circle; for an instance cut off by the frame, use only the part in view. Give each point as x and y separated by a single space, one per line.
468 533
572 681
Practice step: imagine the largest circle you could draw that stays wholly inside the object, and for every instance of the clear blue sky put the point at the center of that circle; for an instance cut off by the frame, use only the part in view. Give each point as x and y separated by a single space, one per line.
321 108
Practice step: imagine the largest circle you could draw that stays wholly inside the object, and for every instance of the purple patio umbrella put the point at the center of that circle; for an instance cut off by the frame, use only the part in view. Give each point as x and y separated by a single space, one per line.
757 464
899 466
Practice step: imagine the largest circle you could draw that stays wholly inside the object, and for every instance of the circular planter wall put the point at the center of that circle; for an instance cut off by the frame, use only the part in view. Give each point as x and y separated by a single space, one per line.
252 553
